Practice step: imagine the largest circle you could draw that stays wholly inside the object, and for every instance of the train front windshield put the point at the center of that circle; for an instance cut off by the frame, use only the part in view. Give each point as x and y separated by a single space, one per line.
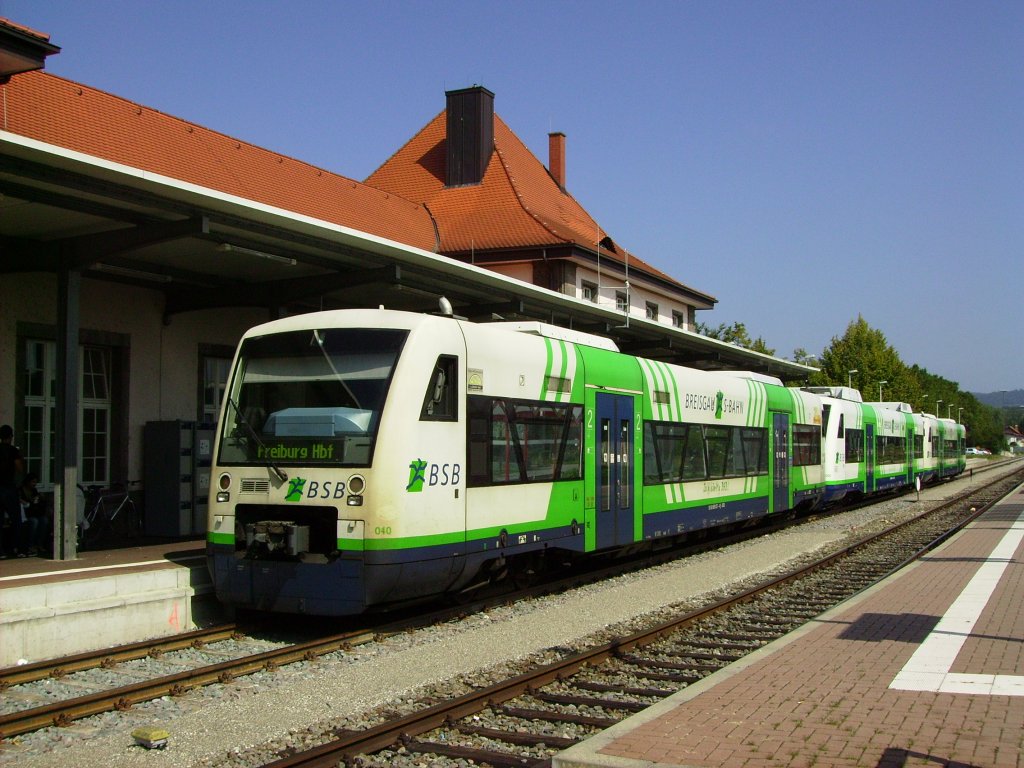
310 397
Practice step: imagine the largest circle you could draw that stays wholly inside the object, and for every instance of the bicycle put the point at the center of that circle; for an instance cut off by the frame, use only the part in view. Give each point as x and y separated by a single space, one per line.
110 516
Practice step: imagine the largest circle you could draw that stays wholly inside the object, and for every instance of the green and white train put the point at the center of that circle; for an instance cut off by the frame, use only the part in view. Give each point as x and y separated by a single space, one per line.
369 458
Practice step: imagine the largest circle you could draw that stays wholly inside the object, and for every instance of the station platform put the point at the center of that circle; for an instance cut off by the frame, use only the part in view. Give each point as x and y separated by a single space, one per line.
924 669
50 608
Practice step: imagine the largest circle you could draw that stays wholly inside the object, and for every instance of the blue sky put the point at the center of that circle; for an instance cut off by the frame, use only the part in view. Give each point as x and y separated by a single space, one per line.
804 162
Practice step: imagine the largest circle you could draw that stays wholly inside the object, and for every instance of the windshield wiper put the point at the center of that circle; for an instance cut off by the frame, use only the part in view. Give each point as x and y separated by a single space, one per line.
319 341
255 436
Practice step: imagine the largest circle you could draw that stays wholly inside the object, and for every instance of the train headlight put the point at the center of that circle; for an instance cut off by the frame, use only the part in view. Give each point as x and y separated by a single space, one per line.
356 486
224 483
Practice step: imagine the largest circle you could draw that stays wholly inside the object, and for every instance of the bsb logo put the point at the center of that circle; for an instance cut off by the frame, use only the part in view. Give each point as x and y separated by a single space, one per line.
424 473
299 488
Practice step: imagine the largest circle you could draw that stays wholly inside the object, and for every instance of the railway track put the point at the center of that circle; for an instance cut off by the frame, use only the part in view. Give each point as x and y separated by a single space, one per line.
66 711
108 657
241 663
525 720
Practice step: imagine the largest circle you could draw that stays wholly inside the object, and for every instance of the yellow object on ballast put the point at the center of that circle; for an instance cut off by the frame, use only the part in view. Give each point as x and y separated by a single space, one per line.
151 738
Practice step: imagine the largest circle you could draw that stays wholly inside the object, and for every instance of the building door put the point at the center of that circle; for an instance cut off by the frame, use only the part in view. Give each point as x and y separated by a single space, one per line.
614 519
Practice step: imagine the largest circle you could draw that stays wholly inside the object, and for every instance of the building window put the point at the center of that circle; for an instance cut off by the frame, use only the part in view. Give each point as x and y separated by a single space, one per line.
215 380
678 319
94 416
652 311
621 301
40 419
588 291
94 419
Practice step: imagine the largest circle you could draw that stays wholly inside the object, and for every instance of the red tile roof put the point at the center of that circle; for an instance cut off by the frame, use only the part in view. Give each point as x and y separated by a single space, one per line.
56 111
517 205
5 22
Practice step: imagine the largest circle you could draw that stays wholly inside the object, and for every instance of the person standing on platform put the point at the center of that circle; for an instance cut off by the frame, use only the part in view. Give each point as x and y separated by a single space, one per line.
11 465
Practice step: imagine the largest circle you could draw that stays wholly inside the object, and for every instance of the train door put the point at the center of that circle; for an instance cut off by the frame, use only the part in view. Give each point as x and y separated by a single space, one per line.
780 468
869 458
614 518
911 453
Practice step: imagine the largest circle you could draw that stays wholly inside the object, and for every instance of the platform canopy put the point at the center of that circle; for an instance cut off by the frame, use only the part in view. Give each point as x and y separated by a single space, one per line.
204 249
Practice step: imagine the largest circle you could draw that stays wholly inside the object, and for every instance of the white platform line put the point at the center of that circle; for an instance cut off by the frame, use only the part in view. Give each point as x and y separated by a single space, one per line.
928 669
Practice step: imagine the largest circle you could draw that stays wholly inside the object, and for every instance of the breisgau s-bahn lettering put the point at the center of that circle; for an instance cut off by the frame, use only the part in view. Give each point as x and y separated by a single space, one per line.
718 404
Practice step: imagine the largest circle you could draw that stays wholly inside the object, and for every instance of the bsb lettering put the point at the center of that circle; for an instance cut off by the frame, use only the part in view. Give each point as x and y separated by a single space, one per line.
427 474
300 488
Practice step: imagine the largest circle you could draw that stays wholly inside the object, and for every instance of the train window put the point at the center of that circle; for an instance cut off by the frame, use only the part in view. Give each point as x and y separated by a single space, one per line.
721 459
890 449
842 428
918 446
676 453
673 453
506 465
570 464
513 441
605 481
825 409
854 446
755 450
806 445
694 458
625 460
313 395
478 442
440 402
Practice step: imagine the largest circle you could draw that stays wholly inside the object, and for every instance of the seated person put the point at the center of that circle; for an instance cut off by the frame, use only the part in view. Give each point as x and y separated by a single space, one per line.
35 526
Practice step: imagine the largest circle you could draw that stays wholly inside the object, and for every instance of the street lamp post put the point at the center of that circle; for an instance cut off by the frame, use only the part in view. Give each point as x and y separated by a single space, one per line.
958 412
883 381
937 408
849 378
949 410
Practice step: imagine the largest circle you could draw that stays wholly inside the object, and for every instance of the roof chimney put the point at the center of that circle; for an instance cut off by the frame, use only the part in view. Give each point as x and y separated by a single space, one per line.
556 158
470 134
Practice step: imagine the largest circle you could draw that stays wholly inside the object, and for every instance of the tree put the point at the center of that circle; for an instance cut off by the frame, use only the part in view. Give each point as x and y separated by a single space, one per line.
802 356
863 358
735 334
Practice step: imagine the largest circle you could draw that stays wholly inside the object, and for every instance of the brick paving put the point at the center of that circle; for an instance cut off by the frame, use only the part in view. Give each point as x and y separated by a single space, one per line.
822 695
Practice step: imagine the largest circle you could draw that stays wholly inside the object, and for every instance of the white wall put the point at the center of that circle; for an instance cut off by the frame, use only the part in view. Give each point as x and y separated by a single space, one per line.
639 294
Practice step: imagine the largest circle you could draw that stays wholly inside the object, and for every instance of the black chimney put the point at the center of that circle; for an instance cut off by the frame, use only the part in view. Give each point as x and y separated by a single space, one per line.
470 134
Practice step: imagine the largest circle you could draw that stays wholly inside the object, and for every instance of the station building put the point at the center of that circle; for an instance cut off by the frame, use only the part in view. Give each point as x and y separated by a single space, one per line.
137 247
